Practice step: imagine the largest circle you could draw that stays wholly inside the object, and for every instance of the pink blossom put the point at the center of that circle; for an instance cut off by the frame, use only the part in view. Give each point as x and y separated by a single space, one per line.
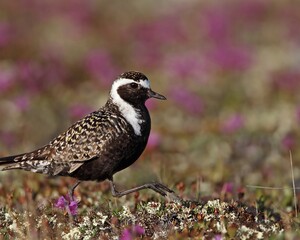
53 69
151 104
229 57
233 123
218 237
216 22
153 141
22 102
166 29
287 80
289 18
79 12
126 235
31 76
77 111
6 34
187 100
249 12
73 206
298 114
132 232
188 65
151 38
61 202
6 79
8 138
100 65
227 187
35 76
147 55
67 204
288 142
137 229
219 21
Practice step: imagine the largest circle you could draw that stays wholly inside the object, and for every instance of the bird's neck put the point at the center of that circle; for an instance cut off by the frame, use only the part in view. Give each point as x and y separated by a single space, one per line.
136 115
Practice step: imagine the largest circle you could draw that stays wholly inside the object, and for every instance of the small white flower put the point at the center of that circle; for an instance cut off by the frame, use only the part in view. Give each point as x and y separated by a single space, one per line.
73 234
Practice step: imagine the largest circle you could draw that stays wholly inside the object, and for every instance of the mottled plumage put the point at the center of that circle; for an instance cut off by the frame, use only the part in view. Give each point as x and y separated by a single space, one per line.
101 144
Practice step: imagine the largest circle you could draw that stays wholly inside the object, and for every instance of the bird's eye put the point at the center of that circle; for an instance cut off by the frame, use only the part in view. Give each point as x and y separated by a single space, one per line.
133 85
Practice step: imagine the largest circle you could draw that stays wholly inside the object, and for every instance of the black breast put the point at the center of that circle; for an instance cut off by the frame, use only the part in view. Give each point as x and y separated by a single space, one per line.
119 151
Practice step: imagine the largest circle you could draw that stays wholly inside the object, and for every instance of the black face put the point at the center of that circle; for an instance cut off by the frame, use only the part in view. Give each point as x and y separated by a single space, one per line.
133 93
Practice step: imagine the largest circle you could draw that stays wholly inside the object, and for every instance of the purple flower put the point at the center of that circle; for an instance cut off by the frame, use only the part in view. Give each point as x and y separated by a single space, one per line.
6 34
31 76
248 12
61 202
298 114
188 100
153 141
6 79
216 22
289 16
79 12
230 57
36 76
126 235
220 22
151 104
73 206
232 124
288 142
218 237
8 138
138 230
99 64
227 187
78 111
67 204
147 55
152 37
287 80
22 102
132 232
189 65
166 29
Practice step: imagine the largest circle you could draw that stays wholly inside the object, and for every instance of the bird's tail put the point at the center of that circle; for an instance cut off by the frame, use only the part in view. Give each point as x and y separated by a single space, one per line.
6 162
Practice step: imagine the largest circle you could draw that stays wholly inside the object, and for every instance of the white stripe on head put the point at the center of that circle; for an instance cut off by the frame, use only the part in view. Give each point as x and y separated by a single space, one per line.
131 114
145 83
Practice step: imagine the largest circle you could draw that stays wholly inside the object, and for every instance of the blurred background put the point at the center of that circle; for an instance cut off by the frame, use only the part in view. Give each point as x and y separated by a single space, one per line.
230 72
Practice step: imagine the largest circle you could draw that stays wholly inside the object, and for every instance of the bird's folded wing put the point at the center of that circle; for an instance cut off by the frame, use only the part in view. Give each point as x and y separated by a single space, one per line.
83 141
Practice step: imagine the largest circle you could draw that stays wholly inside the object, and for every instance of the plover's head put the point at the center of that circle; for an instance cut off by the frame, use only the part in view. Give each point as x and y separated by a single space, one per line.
129 92
134 88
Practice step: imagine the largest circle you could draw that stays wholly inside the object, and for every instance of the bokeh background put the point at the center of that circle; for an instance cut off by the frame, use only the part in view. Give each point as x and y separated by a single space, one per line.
230 71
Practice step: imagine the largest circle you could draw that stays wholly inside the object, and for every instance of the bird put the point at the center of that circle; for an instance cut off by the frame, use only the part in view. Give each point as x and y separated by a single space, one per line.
102 143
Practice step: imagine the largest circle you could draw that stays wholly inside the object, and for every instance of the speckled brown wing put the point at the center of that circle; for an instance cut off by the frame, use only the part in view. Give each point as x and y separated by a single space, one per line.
83 141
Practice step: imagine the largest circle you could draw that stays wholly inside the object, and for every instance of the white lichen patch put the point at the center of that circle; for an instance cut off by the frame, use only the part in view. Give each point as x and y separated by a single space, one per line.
213 210
245 233
220 226
125 214
159 220
73 234
14 226
153 207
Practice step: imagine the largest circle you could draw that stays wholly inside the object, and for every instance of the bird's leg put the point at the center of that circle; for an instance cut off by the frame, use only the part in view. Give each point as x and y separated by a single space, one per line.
71 191
157 187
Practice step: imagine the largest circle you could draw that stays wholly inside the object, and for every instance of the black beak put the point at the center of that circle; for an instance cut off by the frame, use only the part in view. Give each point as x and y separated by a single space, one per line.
153 94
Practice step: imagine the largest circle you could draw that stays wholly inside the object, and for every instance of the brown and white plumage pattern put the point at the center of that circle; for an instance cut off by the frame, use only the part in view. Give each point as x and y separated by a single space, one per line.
101 144
83 141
